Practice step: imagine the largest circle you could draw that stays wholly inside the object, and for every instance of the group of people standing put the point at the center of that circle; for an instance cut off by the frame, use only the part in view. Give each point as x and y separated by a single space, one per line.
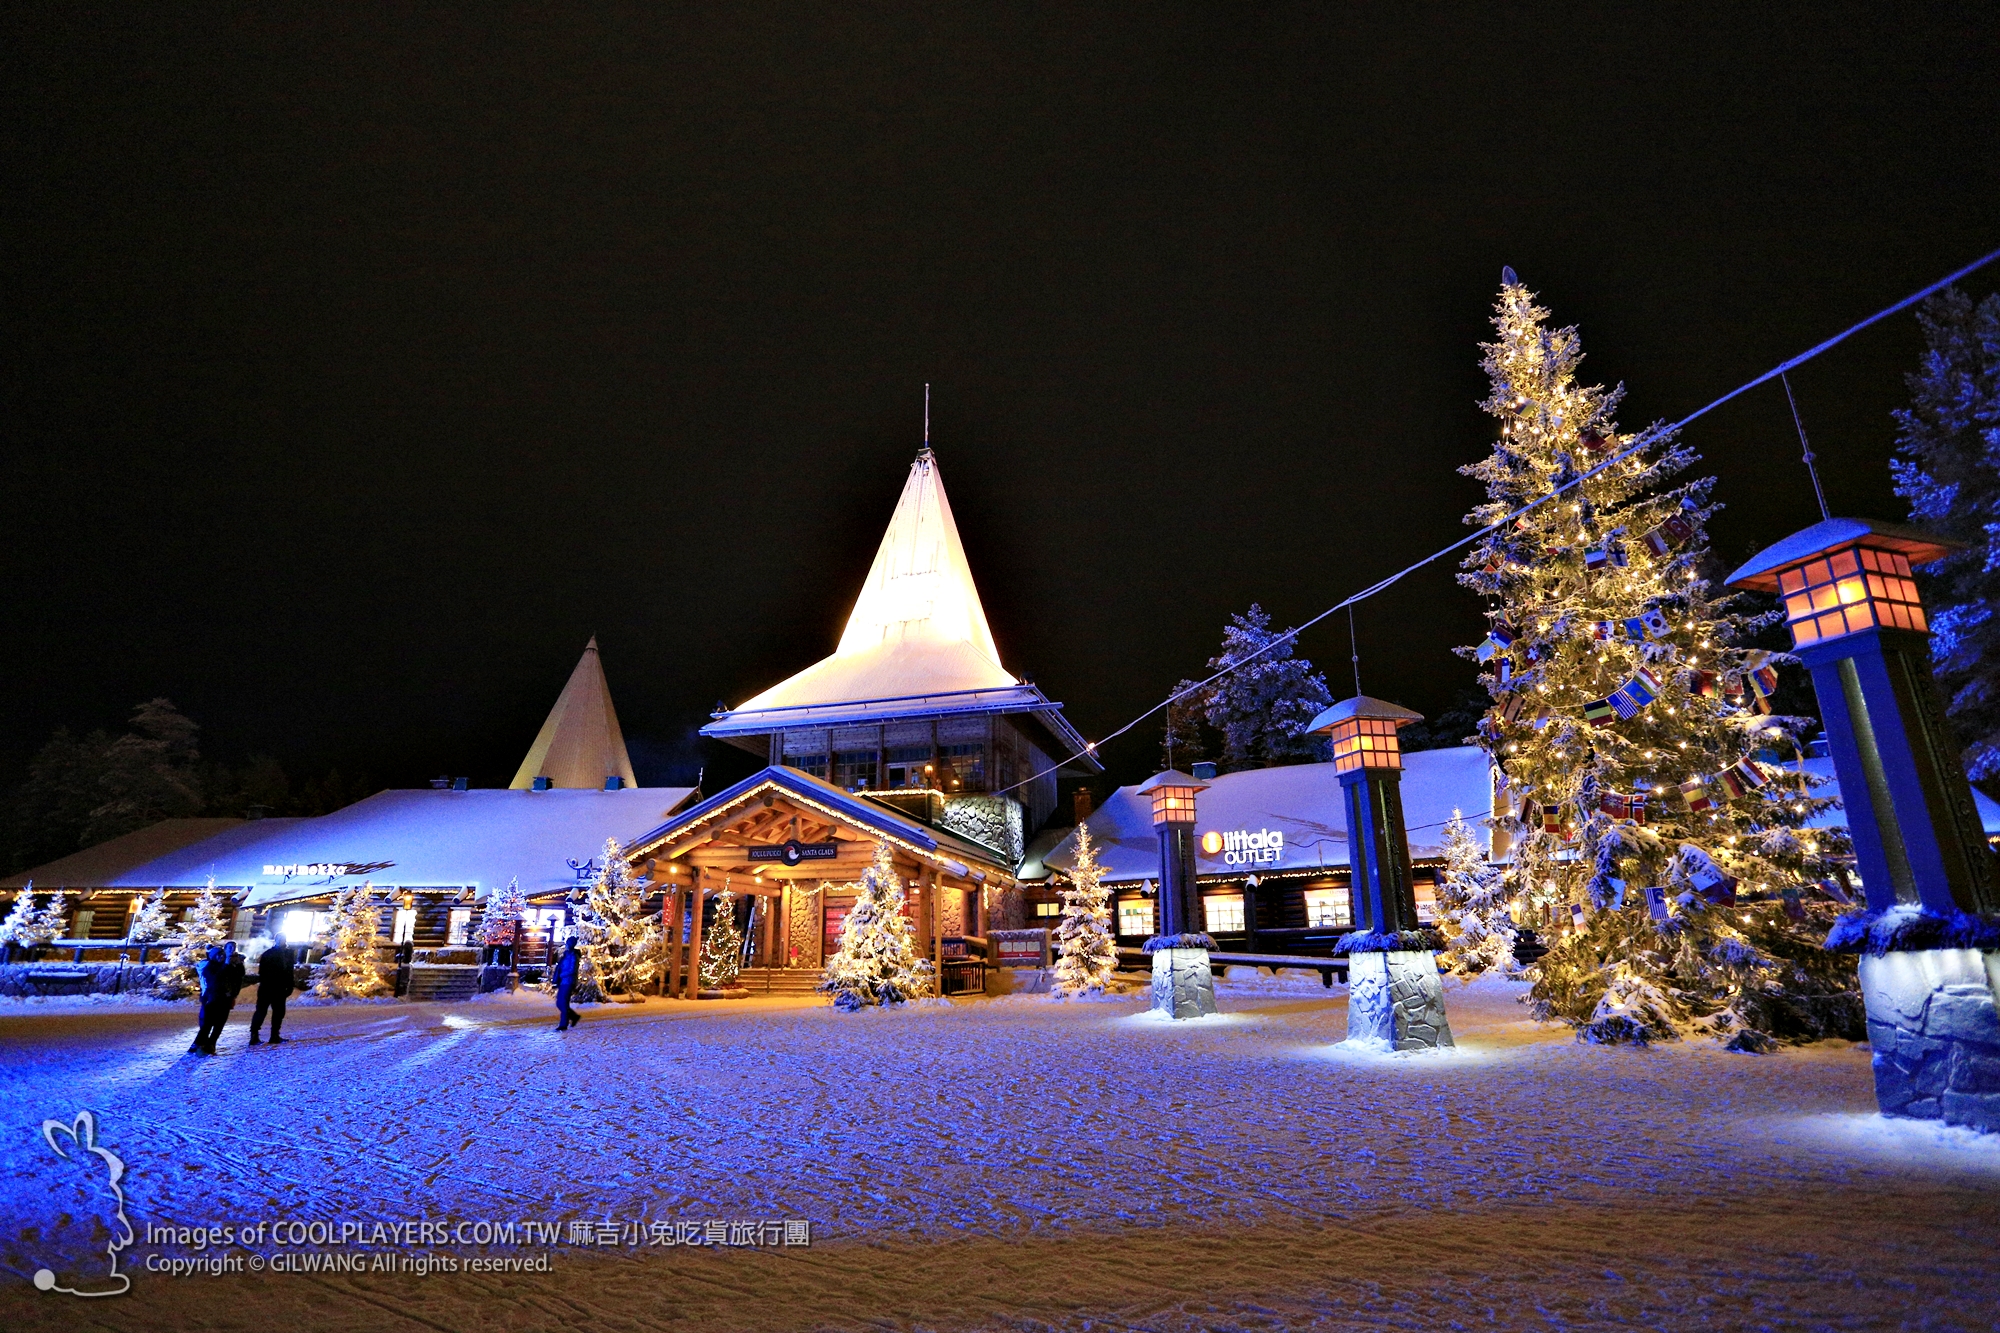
223 979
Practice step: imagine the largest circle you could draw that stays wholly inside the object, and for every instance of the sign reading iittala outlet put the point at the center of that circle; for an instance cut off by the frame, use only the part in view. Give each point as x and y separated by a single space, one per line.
1243 847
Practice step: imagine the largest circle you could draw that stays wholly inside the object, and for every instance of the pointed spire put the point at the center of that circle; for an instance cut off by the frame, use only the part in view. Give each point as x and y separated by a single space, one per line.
580 745
920 585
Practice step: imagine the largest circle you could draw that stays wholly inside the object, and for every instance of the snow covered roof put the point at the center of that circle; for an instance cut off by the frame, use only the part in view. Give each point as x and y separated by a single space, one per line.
846 806
1989 809
916 644
580 745
1361 706
1760 572
97 867
417 839
1301 801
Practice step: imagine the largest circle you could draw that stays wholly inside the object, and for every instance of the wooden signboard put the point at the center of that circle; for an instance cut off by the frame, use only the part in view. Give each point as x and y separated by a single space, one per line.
793 852
1021 948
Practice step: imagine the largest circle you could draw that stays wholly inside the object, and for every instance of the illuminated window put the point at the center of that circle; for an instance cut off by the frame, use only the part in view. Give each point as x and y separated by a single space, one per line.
1048 909
1853 589
406 926
1224 912
1365 742
1135 916
1427 902
1329 908
301 927
460 925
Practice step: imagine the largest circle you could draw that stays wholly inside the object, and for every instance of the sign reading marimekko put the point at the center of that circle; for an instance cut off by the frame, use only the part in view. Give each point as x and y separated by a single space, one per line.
1241 847
323 869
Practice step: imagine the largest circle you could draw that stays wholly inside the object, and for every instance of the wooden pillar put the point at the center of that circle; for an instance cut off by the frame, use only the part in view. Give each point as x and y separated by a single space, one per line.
670 921
931 888
980 890
693 987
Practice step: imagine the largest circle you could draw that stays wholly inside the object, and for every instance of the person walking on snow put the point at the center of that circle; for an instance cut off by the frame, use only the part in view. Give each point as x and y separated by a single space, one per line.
221 982
276 979
566 970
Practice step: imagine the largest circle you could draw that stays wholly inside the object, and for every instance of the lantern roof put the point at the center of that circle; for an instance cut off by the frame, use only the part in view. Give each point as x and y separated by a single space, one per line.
1173 777
1361 706
1918 546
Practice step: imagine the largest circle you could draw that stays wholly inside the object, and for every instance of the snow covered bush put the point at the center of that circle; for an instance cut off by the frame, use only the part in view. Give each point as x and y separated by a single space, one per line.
1086 950
877 960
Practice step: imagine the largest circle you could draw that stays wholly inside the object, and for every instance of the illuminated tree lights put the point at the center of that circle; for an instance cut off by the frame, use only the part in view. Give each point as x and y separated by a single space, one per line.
621 942
1675 864
1086 950
351 967
877 961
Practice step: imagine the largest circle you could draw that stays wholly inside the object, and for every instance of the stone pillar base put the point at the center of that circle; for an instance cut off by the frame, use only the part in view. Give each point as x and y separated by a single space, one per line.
1936 1036
1396 1000
1183 987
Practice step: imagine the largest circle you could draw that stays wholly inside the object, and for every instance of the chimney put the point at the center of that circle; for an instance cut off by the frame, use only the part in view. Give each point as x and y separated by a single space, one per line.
1085 803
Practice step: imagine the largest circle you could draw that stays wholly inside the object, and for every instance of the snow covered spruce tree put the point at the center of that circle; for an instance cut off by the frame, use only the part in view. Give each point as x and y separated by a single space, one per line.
500 920
150 921
32 922
1261 710
1627 721
1472 902
722 945
619 939
1086 951
1949 439
203 925
877 960
351 966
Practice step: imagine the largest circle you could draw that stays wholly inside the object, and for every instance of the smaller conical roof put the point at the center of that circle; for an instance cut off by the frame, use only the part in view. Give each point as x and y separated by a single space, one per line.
580 745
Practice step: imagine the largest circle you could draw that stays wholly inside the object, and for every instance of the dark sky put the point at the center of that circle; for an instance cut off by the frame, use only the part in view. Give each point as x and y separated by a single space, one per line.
361 364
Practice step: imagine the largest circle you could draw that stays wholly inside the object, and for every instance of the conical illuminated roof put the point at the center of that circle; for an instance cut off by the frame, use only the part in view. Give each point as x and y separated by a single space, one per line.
580 745
917 629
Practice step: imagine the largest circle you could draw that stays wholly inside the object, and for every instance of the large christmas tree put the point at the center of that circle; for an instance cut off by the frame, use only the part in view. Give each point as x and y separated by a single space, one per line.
619 939
201 926
1086 950
351 966
1949 439
877 960
1472 906
1655 826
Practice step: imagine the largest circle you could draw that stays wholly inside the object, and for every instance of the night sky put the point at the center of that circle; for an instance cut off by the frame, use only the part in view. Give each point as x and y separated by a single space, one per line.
361 365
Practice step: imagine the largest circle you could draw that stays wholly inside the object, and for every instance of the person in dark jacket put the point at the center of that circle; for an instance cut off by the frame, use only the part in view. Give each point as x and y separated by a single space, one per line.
229 986
566 969
276 979
217 997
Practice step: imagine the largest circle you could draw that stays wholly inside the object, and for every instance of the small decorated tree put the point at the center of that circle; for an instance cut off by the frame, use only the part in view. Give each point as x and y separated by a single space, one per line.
150 922
877 960
500 920
204 925
722 946
1472 903
1086 950
351 968
32 922
619 940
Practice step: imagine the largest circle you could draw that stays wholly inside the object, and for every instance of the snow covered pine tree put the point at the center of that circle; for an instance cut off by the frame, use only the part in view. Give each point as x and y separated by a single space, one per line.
1086 951
1646 827
1949 439
500 922
877 960
722 945
1261 710
1472 903
32 922
150 921
202 926
351 966
621 942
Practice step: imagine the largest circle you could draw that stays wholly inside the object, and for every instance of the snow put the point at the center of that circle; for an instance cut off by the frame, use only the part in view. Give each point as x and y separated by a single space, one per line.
1010 1163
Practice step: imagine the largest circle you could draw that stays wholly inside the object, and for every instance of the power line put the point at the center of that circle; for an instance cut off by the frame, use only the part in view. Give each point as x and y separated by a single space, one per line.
1642 441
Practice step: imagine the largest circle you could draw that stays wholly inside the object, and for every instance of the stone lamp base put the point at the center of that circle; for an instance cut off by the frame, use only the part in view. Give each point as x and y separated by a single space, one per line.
1935 1033
1183 985
1395 998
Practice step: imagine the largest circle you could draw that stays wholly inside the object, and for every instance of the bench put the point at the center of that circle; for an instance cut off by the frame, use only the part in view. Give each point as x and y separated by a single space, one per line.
61 980
1329 969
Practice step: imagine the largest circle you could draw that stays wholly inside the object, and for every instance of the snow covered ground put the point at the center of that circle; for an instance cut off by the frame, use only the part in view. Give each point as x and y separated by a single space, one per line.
1006 1163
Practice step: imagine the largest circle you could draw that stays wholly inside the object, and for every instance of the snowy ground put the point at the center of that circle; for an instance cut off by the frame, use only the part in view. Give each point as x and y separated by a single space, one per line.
1007 1163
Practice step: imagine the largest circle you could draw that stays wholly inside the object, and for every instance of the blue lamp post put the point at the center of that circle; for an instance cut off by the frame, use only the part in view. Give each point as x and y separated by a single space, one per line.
1183 985
1933 908
1395 996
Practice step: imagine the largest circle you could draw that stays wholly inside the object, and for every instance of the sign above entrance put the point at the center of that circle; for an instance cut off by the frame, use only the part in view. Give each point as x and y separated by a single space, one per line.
793 852
324 869
1241 847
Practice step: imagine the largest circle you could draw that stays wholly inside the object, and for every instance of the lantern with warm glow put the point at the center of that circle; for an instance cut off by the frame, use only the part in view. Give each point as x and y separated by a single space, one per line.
1367 742
1369 761
1860 628
1173 795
